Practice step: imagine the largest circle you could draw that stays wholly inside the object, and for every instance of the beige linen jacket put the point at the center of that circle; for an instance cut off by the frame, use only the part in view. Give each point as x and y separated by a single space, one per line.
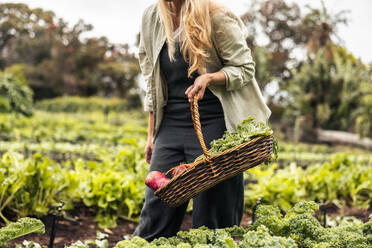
240 97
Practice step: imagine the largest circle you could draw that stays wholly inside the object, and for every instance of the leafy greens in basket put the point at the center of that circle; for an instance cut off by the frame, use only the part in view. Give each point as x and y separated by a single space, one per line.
245 131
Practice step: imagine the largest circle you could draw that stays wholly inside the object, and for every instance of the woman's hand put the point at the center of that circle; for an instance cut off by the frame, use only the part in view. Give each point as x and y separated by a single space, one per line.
148 150
198 88
201 83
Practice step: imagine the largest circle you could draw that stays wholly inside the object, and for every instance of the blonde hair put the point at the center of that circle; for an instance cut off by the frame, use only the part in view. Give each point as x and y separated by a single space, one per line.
195 17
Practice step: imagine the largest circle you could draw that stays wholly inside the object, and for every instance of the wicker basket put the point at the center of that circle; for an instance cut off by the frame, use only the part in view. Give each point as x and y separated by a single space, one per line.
206 173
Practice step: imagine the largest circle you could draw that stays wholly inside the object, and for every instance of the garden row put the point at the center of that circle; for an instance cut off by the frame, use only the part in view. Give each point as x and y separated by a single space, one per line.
76 128
35 186
88 135
113 188
63 151
95 159
298 228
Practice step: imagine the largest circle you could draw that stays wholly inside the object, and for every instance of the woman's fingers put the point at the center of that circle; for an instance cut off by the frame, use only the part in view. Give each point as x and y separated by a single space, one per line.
194 91
191 93
148 153
200 94
148 157
197 89
188 90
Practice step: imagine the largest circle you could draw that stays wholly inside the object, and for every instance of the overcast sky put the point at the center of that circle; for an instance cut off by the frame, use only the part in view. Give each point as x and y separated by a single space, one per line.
119 20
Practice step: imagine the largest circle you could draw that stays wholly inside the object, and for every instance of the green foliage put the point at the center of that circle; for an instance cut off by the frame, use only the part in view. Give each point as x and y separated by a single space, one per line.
81 104
245 131
20 228
286 27
271 217
263 238
59 61
329 90
110 181
306 154
263 59
29 187
300 225
319 25
299 228
338 181
196 236
101 164
15 95
112 188
113 193
118 76
88 128
138 242
364 112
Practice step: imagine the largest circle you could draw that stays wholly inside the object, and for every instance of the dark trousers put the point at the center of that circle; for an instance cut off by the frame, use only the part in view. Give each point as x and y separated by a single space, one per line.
218 207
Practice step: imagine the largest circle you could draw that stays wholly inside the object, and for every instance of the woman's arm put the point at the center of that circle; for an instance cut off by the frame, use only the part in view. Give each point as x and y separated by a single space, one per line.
229 37
149 145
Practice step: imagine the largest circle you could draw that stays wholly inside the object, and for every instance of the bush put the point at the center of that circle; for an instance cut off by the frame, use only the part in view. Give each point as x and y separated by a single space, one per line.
73 104
15 95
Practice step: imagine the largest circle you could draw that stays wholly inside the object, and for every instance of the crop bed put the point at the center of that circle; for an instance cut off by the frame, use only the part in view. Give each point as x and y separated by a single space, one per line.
83 227
94 163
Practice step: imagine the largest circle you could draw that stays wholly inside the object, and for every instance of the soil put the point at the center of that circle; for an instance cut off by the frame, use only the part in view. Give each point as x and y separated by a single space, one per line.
84 227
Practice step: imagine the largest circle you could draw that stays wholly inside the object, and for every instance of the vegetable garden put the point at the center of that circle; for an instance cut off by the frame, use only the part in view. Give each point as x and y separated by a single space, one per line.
93 164
72 137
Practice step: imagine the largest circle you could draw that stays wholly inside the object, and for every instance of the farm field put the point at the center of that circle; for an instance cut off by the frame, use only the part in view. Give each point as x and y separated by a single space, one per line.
77 78
92 162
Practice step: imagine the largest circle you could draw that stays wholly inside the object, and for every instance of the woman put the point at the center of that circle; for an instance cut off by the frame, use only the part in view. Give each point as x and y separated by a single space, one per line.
194 48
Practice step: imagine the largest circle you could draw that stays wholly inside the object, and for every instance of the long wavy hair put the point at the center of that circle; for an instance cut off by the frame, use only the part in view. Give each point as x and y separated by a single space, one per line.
195 17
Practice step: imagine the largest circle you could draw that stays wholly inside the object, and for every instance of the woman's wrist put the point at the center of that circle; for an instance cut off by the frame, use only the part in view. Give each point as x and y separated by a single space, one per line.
217 78
209 79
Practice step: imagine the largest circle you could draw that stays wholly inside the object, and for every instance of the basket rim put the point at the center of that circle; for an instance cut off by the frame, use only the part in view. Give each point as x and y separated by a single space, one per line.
253 140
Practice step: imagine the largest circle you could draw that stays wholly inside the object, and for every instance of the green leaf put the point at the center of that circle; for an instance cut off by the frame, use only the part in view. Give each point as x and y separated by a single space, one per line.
20 228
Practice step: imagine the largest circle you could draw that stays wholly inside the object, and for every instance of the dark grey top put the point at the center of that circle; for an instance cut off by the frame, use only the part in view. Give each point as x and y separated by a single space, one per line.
178 106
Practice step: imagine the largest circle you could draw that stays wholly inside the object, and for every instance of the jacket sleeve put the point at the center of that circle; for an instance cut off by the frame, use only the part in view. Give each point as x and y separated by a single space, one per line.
146 68
229 37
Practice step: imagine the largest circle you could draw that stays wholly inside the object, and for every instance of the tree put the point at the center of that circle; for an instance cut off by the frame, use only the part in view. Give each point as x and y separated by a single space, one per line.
57 61
319 26
286 28
279 23
18 20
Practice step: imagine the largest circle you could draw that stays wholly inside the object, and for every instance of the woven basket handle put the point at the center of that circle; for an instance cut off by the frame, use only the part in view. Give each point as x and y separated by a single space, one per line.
197 126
